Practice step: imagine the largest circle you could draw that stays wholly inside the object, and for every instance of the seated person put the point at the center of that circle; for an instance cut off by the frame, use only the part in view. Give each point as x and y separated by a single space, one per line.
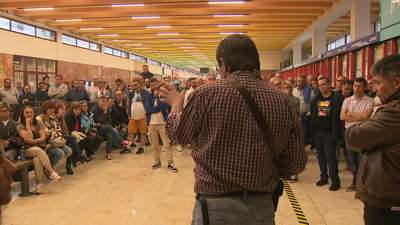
120 110
87 126
101 92
41 94
102 119
115 122
26 95
8 131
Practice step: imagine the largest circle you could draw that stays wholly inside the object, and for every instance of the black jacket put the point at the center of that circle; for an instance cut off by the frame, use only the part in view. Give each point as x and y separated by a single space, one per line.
30 97
100 117
122 116
70 120
337 102
114 118
8 132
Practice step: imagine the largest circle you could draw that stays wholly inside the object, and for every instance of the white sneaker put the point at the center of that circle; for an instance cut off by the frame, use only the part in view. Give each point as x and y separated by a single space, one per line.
178 148
163 150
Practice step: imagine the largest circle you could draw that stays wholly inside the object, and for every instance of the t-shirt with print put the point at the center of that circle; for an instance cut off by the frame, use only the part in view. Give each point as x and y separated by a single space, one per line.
323 119
137 108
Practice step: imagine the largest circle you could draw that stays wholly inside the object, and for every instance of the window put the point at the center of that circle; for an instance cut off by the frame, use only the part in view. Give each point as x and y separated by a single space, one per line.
166 66
82 43
124 54
68 40
156 63
116 52
46 34
4 23
95 47
138 58
377 26
108 50
348 38
174 68
23 28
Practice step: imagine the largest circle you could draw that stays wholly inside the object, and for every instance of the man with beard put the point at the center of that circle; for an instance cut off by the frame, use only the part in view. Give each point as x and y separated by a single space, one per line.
27 95
94 88
9 94
188 92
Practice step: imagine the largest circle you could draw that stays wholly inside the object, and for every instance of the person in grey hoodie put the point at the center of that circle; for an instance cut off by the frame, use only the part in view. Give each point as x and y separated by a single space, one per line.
58 91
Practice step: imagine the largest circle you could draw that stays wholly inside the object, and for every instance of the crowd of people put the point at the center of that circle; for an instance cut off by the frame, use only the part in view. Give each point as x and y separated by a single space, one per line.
74 133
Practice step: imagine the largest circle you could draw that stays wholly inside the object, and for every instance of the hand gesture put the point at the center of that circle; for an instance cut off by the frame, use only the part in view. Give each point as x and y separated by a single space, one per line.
156 92
29 140
172 97
28 121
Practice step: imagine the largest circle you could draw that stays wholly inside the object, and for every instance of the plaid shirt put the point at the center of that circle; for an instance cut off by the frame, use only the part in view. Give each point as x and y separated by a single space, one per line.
228 147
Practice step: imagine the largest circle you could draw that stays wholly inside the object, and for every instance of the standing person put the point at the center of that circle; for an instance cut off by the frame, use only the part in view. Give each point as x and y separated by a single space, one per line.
137 115
8 132
46 80
188 84
190 91
315 84
101 92
291 80
19 87
278 83
339 84
87 124
121 86
347 91
146 73
107 86
355 110
379 175
167 80
82 84
147 83
33 133
92 89
305 94
121 113
199 82
26 95
177 86
310 80
370 90
141 81
215 132
58 91
77 94
41 94
156 116
9 94
326 131
101 116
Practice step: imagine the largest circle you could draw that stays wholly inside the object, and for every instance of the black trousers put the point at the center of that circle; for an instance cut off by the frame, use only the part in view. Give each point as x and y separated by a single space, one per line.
379 216
93 143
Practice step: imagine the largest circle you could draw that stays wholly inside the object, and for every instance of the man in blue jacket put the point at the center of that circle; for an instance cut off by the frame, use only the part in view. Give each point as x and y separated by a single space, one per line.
156 116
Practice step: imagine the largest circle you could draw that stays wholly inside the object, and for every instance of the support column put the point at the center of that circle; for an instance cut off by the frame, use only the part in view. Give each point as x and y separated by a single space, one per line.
318 41
297 52
360 16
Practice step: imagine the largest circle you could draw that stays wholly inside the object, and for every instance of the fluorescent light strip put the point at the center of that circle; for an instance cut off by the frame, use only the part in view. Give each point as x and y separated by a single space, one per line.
227 2
105 35
142 48
182 43
198 55
32 9
186 47
167 33
158 26
230 25
149 51
162 55
191 50
144 17
92 28
222 15
176 61
231 33
176 39
133 44
122 5
122 40
66 20
201 57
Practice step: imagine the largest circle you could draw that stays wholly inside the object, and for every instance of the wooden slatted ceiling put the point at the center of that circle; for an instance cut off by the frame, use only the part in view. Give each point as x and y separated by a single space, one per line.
272 24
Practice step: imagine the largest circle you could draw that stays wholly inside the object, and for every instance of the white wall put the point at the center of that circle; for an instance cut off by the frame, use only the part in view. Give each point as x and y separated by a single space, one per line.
270 59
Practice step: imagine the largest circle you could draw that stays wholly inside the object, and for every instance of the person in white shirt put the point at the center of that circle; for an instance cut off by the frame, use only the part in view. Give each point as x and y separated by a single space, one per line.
101 92
58 91
188 92
93 88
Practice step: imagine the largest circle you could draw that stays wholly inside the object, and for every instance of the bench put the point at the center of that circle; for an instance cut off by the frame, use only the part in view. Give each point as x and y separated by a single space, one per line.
22 175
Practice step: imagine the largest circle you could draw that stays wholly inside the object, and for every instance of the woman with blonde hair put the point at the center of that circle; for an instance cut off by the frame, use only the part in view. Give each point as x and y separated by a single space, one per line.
287 87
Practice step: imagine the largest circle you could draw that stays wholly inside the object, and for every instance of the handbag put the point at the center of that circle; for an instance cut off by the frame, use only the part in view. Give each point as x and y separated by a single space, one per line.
265 130
58 142
19 141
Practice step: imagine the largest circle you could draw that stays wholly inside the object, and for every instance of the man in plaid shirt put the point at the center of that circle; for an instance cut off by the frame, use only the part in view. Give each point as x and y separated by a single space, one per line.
234 171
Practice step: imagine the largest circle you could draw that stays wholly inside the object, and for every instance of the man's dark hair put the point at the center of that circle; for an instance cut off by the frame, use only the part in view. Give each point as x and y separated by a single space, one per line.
239 53
388 67
58 75
41 82
348 82
302 76
145 66
82 80
361 80
103 97
153 79
44 78
315 79
100 82
78 80
324 78
108 98
27 85
119 80
136 80
7 80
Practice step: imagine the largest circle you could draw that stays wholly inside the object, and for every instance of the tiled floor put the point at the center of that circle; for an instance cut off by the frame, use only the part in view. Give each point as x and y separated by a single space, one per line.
126 190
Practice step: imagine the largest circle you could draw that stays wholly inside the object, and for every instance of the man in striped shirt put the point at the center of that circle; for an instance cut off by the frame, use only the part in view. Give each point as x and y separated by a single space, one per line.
234 169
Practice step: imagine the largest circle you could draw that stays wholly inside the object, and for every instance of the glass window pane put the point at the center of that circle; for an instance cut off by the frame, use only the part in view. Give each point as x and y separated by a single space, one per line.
42 65
94 46
68 40
32 82
46 34
82 43
23 28
344 64
108 50
389 47
19 76
358 64
30 64
348 38
4 23
124 54
19 63
116 52
51 66
378 52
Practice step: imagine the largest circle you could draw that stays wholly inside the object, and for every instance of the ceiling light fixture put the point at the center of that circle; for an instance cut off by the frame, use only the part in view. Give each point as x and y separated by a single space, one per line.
186 47
231 33
66 20
105 35
122 5
230 25
142 48
222 15
176 39
91 28
176 61
133 44
144 17
158 26
167 33
201 57
194 50
162 55
182 43
198 55
227 2
32 9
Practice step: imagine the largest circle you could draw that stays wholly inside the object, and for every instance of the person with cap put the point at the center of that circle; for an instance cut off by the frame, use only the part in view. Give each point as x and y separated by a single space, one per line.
177 86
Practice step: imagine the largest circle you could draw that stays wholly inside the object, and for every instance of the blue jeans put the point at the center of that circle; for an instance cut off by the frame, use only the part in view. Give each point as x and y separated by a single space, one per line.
326 148
107 132
305 125
235 210
58 154
121 133
73 145
354 159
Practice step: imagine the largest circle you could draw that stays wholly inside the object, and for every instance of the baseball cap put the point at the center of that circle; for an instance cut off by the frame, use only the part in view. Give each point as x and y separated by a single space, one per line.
177 82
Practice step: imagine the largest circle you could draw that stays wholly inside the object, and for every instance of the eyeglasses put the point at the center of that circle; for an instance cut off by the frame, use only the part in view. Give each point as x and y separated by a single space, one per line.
4 111
278 84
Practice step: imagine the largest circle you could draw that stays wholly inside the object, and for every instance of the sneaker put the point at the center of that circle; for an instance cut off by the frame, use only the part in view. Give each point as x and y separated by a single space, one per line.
114 147
147 143
108 156
39 189
178 148
126 144
125 150
172 168
55 176
321 182
157 165
351 188
293 179
163 150
334 187
47 173
133 145
140 150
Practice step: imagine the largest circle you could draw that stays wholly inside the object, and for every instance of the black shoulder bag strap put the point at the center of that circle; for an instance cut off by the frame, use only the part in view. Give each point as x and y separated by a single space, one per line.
265 130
